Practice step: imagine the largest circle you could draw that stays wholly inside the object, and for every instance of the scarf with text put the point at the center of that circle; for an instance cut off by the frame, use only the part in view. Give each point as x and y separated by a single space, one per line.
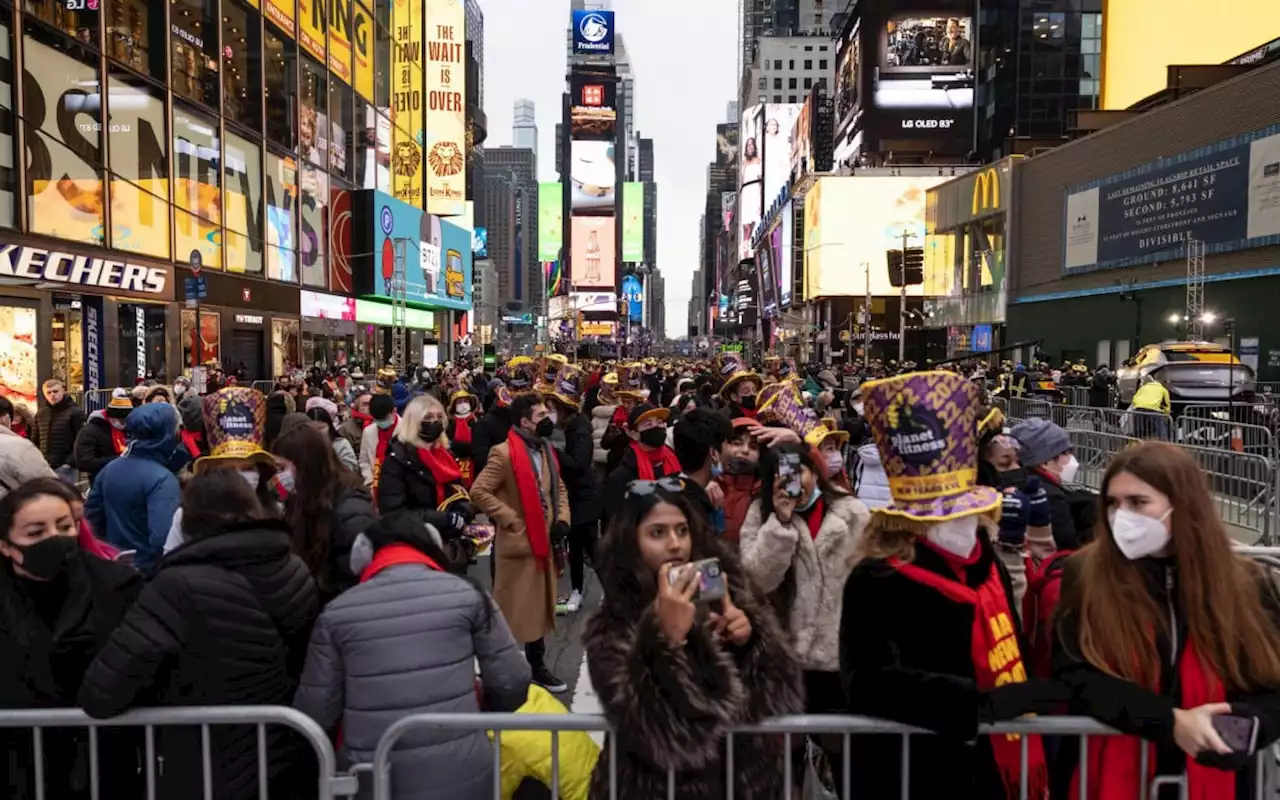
535 517
443 468
648 462
1115 761
997 660
462 433
380 455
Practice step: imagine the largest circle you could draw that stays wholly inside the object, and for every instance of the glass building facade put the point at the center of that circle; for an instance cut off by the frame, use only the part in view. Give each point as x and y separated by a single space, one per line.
222 133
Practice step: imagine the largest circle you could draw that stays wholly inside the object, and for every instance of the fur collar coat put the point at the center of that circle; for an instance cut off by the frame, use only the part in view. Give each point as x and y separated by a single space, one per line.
809 571
670 708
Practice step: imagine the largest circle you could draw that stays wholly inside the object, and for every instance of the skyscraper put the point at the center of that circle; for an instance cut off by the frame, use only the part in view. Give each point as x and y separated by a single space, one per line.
522 164
524 127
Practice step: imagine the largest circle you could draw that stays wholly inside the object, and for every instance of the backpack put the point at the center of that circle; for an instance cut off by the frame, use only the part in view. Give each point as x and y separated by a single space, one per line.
1044 587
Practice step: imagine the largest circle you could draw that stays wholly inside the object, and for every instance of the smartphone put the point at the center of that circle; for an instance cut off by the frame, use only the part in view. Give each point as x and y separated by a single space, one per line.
789 474
1238 733
711 582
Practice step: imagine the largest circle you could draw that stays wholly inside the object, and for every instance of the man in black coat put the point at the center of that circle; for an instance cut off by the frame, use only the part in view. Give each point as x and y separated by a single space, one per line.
225 621
57 426
575 451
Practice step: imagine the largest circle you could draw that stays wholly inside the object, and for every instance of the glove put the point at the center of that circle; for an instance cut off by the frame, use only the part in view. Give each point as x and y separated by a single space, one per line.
1038 509
1035 696
1013 518
464 508
559 531
455 522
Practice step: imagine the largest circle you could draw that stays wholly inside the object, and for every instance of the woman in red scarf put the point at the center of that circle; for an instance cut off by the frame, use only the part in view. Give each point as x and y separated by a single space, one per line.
421 475
462 408
647 456
1196 649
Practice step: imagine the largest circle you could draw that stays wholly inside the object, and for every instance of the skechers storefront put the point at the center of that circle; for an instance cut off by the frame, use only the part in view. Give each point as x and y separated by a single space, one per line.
966 257
252 328
75 314
434 257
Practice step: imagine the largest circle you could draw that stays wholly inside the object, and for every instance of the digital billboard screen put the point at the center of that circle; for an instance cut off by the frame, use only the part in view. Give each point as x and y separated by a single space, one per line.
550 220
750 209
852 221
847 71
779 126
593 106
767 273
592 32
924 81
593 253
751 167
785 273
632 222
727 144
592 177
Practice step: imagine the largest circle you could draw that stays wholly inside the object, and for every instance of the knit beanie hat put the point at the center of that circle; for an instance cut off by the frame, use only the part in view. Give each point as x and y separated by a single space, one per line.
1039 441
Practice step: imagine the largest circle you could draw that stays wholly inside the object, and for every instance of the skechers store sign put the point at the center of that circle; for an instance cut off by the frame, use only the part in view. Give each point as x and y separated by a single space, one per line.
100 275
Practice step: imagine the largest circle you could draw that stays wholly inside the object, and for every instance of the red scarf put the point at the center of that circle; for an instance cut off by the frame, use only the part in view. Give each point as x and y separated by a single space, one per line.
997 660
443 468
462 429
619 417
117 439
393 555
814 518
535 519
1114 761
380 455
192 441
364 419
647 460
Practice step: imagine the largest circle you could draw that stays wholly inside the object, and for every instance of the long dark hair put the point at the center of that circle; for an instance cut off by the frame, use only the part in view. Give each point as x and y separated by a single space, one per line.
318 414
214 500
320 484
406 527
769 461
621 566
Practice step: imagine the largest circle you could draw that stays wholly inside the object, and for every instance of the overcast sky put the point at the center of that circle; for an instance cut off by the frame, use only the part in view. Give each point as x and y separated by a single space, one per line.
684 55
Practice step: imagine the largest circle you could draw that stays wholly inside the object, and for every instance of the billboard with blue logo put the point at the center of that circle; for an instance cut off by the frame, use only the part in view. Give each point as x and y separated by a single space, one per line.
436 253
592 33
981 341
633 293
480 242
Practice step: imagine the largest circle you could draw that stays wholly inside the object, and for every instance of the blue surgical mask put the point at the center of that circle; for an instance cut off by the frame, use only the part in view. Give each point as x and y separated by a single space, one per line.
716 470
813 498
385 423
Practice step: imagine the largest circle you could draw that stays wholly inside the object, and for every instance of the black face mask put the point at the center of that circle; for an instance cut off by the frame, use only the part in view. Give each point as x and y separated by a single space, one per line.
1012 477
47 558
748 402
545 428
430 431
654 437
739 466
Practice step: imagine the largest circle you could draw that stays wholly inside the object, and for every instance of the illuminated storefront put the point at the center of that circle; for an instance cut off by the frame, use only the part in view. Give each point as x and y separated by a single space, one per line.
966 257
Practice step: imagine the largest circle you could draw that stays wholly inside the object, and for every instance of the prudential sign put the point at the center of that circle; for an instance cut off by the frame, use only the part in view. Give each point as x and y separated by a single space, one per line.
593 33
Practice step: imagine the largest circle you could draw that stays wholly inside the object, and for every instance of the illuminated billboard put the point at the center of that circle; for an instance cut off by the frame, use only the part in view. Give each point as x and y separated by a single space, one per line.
593 106
446 107
632 222
436 254
779 126
750 209
847 72
550 220
593 253
406 102
853 221
751 167
787 257
924 78
592 177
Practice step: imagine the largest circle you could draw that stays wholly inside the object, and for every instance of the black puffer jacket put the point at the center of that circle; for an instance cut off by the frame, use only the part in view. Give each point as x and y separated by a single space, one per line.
49 633
56 430
352 516
95 447
576 470
489 431
224 621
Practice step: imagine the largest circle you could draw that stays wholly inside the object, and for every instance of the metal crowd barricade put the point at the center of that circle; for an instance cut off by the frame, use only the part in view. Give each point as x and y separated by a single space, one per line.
1243 487
1076 395
266 387
1094 450
1023 408
330 784
1226 434
96 400
846 727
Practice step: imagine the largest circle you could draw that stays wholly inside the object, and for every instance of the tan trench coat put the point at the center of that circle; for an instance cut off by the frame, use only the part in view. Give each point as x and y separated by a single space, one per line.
525 593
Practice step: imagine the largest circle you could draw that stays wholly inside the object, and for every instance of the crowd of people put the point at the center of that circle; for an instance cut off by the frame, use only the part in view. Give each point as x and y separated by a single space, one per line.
767 542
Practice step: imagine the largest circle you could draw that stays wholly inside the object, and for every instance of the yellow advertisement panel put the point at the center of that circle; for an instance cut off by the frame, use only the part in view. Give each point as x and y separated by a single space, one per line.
446 84
362 45
340 39
849 224
406 102
283 13
312 15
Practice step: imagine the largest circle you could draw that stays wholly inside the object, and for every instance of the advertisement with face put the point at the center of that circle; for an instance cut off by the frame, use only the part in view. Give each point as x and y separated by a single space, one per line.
846 93
766 274
750 209
925 79
592 177
726 144
779 126
751 167
786 256
593 253
851 222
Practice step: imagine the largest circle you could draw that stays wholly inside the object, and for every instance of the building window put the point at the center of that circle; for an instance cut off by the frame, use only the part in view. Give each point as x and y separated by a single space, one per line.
8 122
792 99
791 83
64 138
131 24
808 83
313 118
139 166
193 34
243 205
314 214
777 83
764 82
808 63
197 190
777 63
81 25
808 48
822 82
282 218
822 48
341 125
280 68
822 63
777 98
382 56
791 64
242 65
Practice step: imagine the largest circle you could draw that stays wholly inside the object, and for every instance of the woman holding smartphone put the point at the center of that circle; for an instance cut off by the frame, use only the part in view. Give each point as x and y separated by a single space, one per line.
1191 669
675 672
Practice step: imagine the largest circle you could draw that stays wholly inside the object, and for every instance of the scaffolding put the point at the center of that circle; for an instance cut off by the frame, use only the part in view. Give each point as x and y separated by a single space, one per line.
399 309
1195 289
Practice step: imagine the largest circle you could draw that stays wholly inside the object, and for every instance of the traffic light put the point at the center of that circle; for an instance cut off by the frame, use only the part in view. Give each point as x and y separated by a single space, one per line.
895 267
913 265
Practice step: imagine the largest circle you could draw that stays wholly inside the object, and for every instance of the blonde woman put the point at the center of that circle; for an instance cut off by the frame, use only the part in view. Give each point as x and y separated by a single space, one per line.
420 474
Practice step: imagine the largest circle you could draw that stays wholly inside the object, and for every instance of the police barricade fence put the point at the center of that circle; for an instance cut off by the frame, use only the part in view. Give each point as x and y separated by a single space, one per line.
800 727
266 387
95 400
1075 395
1226 434
84 769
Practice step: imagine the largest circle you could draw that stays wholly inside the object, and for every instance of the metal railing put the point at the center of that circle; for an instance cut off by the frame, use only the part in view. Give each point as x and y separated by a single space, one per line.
95 400
265 387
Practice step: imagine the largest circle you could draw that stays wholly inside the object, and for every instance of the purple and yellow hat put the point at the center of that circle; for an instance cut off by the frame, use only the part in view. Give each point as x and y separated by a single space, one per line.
234 420
925 425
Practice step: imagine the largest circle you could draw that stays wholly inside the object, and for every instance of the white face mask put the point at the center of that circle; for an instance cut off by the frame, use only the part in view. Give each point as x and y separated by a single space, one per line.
835 462
1138 535
551 415
462 409
955 536
1070 469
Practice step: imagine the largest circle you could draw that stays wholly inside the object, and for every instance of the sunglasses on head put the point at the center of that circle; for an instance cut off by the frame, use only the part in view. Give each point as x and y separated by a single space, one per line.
644 488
